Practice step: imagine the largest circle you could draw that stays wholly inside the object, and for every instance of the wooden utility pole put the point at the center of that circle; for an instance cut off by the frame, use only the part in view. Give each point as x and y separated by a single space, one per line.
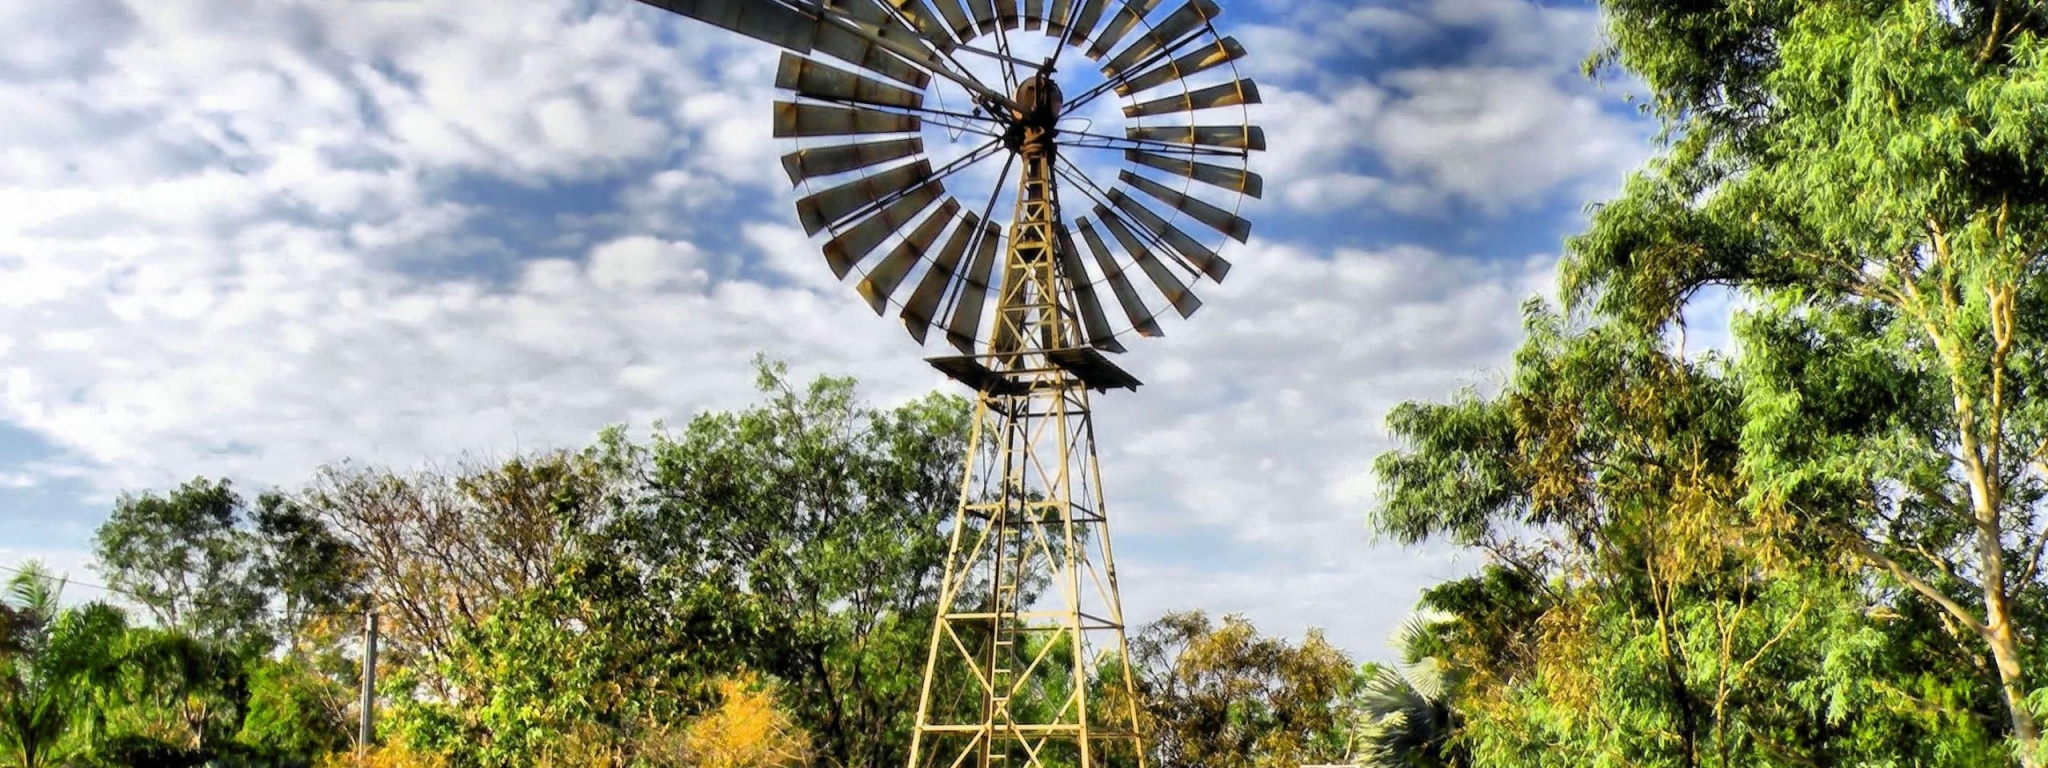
368 730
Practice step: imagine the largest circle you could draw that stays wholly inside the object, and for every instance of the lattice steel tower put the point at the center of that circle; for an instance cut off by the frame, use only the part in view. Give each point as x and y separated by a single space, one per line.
1028 663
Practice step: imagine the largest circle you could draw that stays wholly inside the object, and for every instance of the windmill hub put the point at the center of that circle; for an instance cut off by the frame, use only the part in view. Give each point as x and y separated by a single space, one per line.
1034 126
1041 97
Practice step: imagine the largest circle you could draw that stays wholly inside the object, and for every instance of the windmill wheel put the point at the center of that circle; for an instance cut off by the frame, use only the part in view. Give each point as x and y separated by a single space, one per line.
908 117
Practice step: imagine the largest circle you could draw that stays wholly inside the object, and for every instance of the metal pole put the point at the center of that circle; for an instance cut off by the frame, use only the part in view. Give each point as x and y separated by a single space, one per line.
368 731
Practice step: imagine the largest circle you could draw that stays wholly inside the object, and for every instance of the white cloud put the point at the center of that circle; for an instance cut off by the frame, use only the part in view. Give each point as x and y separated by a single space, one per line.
1286 386
62 39
1371 105
644 264
1500 137
789 254
311 365
1494 138
195 222
1522 31
1554 36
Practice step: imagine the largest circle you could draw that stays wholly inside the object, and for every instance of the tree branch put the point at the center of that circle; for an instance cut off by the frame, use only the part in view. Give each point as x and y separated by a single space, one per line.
2032 568
1940 563
1991 41
1742 673
1862 547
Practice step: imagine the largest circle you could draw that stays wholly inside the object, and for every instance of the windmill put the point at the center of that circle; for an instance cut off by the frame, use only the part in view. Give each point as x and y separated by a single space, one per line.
903 112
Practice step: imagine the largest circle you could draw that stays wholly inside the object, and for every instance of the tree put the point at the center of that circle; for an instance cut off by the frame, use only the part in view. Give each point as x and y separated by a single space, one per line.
55 682
1636 609
1871 174
1220 695
200 559
184 558
40 699
296 708
571 602
438 551
820 518
306 568
601 662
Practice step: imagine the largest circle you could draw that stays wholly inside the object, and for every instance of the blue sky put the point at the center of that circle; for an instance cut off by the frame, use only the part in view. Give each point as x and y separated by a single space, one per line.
247 239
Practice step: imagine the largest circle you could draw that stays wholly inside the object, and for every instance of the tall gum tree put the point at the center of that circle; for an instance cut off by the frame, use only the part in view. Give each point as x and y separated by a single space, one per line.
1870 175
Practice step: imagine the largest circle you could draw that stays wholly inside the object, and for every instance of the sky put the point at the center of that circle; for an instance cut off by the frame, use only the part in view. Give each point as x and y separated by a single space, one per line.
245 239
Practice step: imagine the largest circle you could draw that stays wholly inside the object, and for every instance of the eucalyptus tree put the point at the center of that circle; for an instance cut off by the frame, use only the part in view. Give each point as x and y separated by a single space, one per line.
819 518
1872 175
1221 695
1637 612
203 559
438 550
576 600
184 557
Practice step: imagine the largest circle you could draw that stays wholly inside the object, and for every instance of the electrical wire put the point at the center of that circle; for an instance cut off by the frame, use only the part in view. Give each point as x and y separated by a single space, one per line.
66 581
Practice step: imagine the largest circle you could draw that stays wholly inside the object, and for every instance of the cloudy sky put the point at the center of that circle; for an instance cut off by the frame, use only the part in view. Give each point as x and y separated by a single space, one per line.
244 238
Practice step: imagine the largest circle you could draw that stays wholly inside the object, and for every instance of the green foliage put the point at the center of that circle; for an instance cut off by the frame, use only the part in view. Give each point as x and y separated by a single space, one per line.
1221 695
439 551
310 570
1455 483
1881 195
295 708
1828 550
588 663
823 519
1638 611
585 603
184 558
1409 720
48 679
201 560
755 589
75 680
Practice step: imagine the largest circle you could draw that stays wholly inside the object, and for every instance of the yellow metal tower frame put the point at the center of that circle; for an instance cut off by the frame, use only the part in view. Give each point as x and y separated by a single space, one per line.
1028 663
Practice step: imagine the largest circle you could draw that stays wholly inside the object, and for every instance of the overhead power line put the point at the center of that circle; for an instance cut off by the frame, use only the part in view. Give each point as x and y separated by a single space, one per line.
67 581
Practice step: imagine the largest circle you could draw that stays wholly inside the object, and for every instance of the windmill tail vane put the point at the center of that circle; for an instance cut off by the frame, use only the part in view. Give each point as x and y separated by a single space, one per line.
893 108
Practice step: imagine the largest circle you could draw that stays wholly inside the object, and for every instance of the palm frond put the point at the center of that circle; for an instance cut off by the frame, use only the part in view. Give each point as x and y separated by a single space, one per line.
1405 711
1428 679
33 592
1415 631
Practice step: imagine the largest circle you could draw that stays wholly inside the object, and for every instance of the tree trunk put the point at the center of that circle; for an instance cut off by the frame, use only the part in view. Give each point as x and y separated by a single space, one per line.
2005 649
1983 463
1997 630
